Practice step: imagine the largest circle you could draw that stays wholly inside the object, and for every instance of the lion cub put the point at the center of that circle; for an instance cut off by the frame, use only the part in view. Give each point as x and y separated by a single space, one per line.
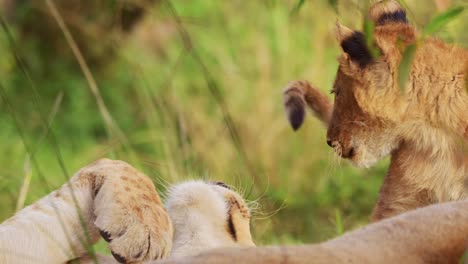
113 200
423 126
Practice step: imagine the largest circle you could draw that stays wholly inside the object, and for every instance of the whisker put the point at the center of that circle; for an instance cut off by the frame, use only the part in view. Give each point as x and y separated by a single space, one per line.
272 213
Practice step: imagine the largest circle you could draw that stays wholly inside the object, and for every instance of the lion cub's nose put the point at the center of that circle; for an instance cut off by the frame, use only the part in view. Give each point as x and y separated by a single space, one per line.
343 151
346 152
334 144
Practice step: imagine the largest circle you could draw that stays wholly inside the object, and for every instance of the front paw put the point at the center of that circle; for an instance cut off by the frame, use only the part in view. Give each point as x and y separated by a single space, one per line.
131 217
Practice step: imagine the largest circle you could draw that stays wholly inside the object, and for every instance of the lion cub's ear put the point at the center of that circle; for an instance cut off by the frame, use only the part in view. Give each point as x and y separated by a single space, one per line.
354 46
392 31
387 12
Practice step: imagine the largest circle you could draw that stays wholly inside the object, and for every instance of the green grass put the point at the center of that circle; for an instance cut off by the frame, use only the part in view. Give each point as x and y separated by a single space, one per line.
173 113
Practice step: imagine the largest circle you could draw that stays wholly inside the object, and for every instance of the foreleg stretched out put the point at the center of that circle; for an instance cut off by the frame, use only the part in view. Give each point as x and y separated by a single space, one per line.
433 234
108 197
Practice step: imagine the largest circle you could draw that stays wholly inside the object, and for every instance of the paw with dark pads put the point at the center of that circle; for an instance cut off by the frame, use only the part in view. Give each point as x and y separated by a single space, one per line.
134 223
105 235
136 239
118 257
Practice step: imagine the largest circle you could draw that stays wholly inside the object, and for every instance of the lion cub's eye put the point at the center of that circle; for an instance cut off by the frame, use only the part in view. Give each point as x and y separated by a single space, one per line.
222 184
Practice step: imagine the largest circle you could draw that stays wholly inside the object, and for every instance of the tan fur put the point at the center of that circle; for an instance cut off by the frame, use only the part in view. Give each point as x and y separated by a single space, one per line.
424 127
111 197
201 214
120 203
434 234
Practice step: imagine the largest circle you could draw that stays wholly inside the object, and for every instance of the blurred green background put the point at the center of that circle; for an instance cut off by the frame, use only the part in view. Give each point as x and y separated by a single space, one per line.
186 89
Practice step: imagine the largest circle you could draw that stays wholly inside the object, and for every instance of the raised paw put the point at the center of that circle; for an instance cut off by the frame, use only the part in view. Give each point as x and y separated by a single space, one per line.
294 104
130 215
298 95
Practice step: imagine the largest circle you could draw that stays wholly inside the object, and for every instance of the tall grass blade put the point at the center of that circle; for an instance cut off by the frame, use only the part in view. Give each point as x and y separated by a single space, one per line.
25 185
441 20
369 35
111 127
43 180
297 7
215 91
46 129
404 69
334 5
36 100
27 164
338 223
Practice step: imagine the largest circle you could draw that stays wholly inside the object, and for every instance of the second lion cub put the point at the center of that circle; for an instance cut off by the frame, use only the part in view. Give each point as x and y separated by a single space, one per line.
425 129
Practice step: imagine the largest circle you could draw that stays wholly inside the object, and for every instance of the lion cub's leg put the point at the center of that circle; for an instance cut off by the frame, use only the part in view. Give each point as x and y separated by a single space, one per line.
107 197
50 230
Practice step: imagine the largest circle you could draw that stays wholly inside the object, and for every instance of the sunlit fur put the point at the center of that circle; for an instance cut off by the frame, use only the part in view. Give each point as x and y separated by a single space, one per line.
200 212
423 125
433 234
122 204
113 198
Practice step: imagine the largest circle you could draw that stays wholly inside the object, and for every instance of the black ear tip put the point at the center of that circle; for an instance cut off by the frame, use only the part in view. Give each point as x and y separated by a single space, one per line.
397 16
355 46
387 11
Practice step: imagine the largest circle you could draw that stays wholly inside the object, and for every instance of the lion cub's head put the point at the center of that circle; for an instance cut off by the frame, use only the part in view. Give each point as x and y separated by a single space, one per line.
368 105
207 215
377 105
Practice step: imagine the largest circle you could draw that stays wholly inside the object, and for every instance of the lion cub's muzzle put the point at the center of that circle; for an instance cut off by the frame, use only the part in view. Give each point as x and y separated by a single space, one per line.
342 150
